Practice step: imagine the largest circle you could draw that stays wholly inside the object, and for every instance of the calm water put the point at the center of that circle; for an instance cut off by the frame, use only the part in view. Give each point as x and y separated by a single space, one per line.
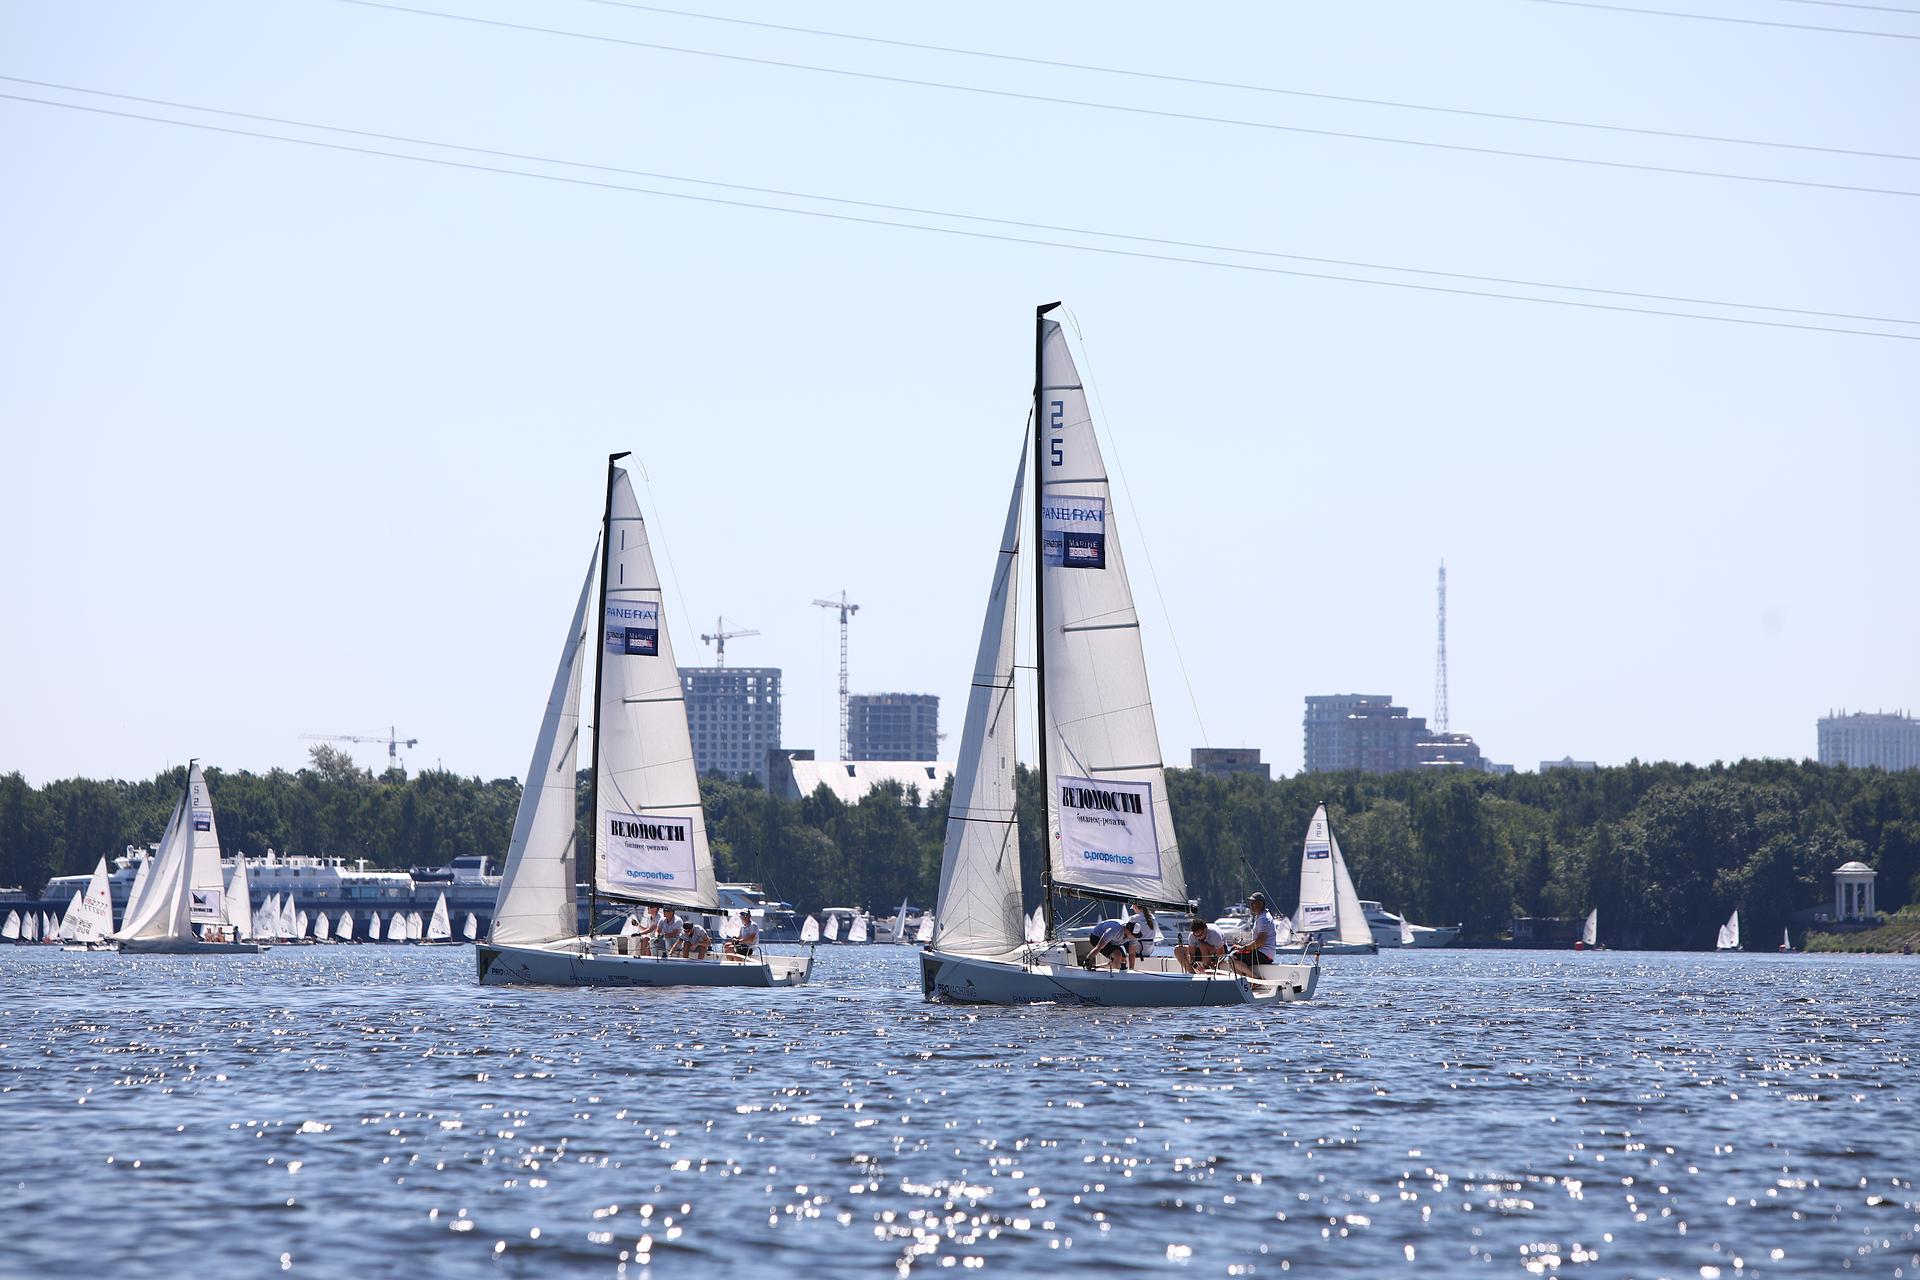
345 1111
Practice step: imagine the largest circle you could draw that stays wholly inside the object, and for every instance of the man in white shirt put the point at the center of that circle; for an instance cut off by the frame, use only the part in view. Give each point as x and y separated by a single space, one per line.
672 932
1263 941
1112 941
696 940
1204 948
742 945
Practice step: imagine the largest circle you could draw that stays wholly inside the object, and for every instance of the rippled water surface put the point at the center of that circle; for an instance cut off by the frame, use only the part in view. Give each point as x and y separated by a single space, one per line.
348 1111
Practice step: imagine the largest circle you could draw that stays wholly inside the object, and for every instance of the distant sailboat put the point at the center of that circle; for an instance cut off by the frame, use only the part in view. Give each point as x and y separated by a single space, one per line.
810 931
471 930
898 933
322 928
1589 932
161 921
373 926
344 929
650 842
440 928
1329 910
236 901
300 925
94 916
924 934
1406 933
1107 829
1786 939
1729 939
857 932
11 929
833 929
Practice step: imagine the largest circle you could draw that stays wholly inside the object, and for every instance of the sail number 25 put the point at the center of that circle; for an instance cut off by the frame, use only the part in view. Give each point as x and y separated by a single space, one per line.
1057 421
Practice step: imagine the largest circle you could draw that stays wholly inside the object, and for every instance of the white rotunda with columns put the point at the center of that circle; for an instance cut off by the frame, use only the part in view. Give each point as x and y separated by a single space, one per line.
1853 892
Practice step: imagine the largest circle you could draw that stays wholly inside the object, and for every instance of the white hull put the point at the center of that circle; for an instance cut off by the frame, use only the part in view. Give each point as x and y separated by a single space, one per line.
169 947
1388 936
1158 984
567 964
1331 948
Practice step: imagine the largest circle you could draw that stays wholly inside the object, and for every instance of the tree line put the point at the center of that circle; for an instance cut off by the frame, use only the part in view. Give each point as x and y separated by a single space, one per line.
1663 851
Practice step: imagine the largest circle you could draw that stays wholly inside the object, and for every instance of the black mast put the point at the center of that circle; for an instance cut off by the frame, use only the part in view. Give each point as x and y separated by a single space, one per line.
1039 544
599 671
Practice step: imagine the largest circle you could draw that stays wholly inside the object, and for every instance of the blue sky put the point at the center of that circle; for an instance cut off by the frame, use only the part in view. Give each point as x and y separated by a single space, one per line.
308 440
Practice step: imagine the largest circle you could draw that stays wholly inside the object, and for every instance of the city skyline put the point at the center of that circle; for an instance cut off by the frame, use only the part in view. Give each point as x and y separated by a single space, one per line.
310 439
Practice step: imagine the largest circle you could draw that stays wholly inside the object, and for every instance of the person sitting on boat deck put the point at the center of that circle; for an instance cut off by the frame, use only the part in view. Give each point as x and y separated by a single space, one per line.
741 946
1114 941
670 931
648 933
696 941
1263 940
1205 947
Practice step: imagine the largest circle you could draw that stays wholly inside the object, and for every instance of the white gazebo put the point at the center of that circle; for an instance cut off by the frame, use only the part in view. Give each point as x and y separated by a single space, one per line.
1853 892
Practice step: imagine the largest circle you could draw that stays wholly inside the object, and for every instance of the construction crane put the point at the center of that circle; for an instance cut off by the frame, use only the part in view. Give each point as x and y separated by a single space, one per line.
846 611
393 740
719 640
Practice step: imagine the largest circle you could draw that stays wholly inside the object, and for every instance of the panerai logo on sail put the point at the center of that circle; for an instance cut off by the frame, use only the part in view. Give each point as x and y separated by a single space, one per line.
1073 533
634 629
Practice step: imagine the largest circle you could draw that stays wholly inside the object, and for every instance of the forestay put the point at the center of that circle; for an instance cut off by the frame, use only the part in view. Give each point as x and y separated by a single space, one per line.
536 902
650 834
979 905
1107 810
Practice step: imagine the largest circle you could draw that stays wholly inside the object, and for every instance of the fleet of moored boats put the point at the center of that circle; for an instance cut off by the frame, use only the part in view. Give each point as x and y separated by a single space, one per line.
1110 836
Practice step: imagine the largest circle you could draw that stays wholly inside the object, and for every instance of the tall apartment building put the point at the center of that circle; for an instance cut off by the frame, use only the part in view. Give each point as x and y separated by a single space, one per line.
893 726
1365 731
734 716
1866 740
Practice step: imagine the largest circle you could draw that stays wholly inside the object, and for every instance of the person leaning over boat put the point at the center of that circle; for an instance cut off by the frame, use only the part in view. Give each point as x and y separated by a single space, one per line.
696 941
741 947
1263 940
1114 941
1205 946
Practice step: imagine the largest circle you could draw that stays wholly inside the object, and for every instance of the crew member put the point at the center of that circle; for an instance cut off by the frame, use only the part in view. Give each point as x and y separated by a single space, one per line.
1205 947
742 945
1262 940
671 932
1113 941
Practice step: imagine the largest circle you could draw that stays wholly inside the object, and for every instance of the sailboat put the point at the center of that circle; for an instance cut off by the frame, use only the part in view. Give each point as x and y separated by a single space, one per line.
810 931
11 929
322 927
471 929
924 934
373 926
1786 939
159 919
89 920
1589 932
236 903
1109 829
440 928
1729 939
833 928
343 931
416 927
857 931
1329 917
650 831
898 933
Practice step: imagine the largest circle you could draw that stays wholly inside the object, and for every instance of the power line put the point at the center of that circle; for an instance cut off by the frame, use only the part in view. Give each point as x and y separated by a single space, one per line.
1716 17
1191 117
921 211
1512 117
829 215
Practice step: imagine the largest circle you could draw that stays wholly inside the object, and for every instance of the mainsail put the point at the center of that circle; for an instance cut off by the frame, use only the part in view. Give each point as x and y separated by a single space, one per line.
1590 931
208 905
471 930
96 906
237 901
1729 939
650 833
161 914
1107 811
344 930
440 927
536 901
980 866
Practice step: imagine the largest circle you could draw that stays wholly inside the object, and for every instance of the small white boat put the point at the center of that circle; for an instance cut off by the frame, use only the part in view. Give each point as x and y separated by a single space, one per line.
649 829
344 929
1786 940
1729 939
1330 917
1590 933
1109 827
1391 930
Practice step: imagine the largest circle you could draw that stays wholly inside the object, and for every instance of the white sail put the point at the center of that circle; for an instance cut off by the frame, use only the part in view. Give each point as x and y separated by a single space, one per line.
898 933
536 901
300 925
163 905
1406 933
322 928
858 933
471 930
416 927
11 929
288 919
979 903
1590 931
809 932
269 926
1283 934
924 933
373 926
1352 927
1107 813
440 928
1729 939
70 918
1035 928
1319 908
237 900
650 832
1786 939
143 864
344 930
31 931
833 929
208 902
397 927
96 906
